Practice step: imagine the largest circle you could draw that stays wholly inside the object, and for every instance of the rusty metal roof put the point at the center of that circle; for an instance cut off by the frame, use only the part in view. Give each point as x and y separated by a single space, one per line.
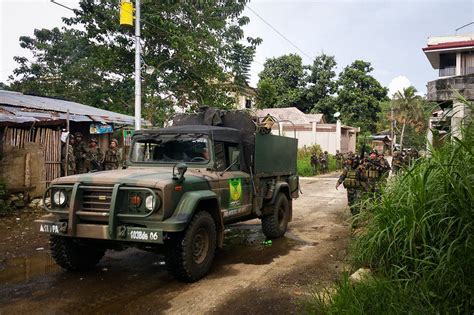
20 108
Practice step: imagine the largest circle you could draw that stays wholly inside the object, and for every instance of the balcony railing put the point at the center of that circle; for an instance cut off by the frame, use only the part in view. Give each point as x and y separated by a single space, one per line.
447 72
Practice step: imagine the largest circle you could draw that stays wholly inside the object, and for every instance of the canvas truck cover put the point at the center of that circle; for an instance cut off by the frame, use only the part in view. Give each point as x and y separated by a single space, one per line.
275 154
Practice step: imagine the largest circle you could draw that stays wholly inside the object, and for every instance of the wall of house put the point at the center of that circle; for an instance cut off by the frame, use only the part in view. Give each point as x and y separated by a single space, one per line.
325 137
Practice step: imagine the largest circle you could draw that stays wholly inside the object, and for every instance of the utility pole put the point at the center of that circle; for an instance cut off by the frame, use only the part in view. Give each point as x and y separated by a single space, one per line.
138 83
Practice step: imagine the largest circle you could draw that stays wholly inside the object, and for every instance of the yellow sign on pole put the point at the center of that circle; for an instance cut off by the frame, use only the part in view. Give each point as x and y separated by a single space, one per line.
126 13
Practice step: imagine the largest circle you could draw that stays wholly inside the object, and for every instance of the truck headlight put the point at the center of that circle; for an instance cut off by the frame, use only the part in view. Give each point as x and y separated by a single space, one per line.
59 198
150 203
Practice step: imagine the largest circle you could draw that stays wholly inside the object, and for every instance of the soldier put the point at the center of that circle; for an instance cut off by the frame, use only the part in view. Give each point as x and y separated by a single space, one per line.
69 164
80 150
339 160
354 180
397 162
314 163
373 171
113 158
322 163
94 158
385 171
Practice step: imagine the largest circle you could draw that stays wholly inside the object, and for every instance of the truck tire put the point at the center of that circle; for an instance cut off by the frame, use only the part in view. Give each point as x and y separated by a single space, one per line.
191 254
274 224
73 256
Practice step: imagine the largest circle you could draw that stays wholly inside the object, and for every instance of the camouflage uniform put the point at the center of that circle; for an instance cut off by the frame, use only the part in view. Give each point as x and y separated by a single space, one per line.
94 158
314 163
385 169
355 181
113 158
373 172
397 162
339 160
70 163
80 150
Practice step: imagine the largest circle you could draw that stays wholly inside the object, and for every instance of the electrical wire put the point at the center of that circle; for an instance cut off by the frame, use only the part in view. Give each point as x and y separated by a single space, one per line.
278 32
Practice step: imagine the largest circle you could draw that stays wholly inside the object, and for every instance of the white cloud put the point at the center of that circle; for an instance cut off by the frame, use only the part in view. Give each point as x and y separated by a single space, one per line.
398 84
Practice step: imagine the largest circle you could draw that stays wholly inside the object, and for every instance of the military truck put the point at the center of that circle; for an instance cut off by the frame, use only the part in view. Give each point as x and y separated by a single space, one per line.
182 185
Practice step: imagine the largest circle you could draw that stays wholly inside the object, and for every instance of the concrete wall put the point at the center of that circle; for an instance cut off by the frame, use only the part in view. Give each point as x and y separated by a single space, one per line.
326 136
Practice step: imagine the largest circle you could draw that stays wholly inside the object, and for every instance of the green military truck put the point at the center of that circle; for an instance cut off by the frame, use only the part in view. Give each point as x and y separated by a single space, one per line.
181 187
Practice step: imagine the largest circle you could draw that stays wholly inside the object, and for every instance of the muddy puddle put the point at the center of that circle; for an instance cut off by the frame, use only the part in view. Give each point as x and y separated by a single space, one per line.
23 269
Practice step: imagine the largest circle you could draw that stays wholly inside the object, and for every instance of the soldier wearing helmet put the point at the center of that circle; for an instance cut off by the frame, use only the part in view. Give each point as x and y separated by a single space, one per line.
113 157
354 180
94 157
80 151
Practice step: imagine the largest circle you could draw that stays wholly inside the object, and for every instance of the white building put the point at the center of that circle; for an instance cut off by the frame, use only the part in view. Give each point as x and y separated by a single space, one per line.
312 129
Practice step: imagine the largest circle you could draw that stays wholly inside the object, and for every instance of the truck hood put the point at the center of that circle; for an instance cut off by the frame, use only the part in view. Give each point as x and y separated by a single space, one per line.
133 176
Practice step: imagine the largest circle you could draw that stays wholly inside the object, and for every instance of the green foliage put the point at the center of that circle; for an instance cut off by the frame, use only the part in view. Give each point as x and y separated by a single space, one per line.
321 85
359 95
197 50
4 207
372 296
281 82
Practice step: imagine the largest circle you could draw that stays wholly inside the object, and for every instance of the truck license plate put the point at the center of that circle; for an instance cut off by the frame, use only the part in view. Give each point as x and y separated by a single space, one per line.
49 228
144 235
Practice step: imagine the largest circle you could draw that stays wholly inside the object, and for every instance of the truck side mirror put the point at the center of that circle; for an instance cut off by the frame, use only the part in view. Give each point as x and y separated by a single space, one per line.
181 168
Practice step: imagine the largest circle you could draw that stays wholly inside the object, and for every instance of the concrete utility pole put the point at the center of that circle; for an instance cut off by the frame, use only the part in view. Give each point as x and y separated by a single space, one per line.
138 83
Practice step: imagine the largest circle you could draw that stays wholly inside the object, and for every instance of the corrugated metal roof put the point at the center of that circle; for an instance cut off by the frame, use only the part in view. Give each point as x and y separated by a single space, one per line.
43 105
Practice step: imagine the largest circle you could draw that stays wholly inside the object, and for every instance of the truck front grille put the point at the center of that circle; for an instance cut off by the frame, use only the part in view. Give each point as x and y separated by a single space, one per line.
96 199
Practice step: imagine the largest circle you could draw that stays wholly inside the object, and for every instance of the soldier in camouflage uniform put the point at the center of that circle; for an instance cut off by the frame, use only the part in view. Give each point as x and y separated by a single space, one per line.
397 162
80 150
373 170
385 171
354 180
314 163
94 157
69 164
339 160
113 158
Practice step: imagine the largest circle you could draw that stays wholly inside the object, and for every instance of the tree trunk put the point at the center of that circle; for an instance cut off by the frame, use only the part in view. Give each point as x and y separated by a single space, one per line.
401 135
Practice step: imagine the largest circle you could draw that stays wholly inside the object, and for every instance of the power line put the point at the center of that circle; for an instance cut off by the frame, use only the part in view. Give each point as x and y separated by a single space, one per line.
62 5
279 33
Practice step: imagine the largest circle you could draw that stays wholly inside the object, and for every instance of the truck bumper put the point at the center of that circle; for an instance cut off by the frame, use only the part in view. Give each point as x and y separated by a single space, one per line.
51 225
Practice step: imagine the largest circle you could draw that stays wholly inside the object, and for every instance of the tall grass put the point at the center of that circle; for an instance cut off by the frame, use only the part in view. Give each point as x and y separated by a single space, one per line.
419 238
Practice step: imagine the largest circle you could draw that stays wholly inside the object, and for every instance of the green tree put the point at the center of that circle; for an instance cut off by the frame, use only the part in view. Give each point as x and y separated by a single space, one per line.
408 110
282 82
322 84
194 53
359 95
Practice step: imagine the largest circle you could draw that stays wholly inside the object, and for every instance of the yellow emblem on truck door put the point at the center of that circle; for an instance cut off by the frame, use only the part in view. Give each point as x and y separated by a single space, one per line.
235 190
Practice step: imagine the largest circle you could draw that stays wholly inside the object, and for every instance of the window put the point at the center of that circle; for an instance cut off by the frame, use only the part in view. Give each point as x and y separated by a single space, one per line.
248 103
171 149
447 65
226 154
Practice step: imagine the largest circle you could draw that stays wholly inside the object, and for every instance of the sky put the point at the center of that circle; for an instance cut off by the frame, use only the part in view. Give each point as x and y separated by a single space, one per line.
389 34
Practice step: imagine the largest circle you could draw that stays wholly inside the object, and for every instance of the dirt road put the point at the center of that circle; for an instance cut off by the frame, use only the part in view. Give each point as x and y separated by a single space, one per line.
247 277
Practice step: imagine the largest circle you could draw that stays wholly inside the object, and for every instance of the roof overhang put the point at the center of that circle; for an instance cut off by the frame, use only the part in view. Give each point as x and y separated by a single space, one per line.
433 51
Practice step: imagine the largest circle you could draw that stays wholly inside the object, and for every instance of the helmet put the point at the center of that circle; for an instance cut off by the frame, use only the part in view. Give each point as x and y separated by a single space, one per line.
114 140
78 135
93 140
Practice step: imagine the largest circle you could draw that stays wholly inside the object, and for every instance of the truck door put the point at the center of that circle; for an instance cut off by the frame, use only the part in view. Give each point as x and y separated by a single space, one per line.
234 184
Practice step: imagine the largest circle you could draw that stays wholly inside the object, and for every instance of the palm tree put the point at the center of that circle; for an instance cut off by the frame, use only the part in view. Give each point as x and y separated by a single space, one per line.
407 107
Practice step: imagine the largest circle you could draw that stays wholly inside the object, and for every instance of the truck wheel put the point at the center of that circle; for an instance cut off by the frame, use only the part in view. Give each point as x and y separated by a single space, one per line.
274 224
191 254
73 256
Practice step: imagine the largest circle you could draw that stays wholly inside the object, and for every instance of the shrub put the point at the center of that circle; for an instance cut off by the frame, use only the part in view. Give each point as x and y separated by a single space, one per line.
304 160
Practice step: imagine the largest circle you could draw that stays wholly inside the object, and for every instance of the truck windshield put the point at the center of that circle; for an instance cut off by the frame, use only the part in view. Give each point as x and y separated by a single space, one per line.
171 149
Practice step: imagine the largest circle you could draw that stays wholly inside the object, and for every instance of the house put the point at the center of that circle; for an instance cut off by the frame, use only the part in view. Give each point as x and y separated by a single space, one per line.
453 57
312 129
32 129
